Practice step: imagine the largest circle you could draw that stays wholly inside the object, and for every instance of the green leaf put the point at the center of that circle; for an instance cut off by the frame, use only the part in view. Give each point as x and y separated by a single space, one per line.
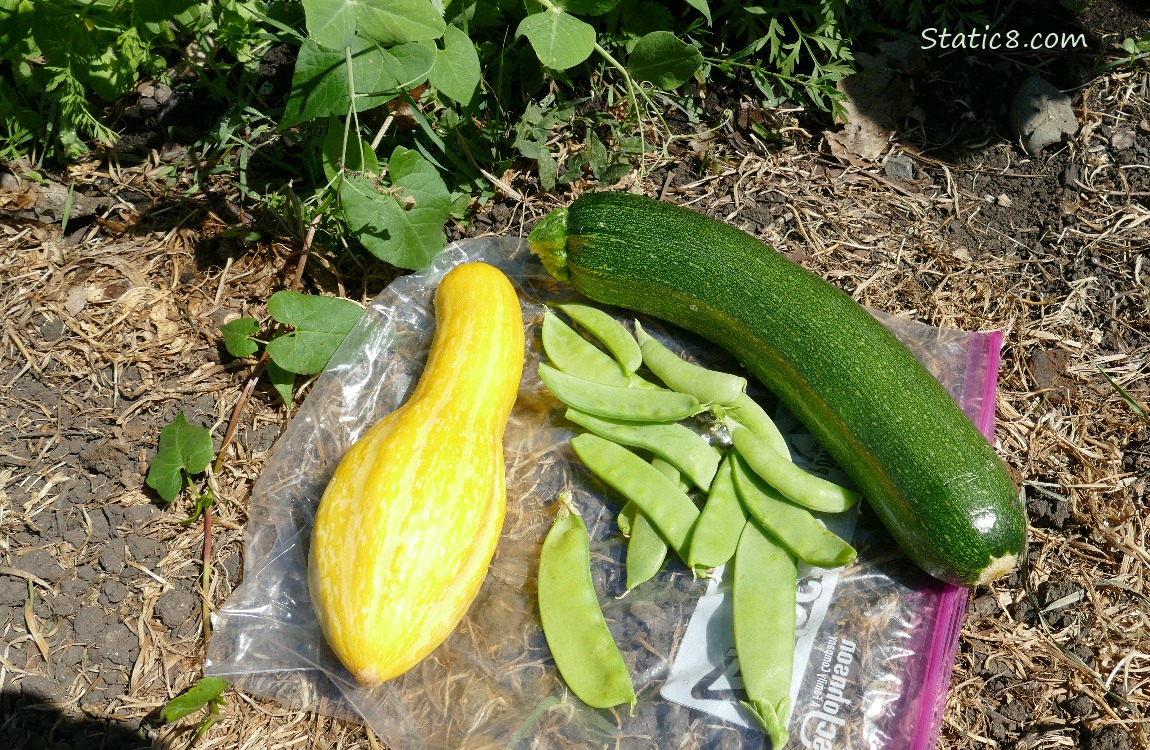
588 7
205 691
320 326
320 83
404 229
238 337
410 64
702 7
331 23
457 69
282 380
663 59
399 21
359 156
560 40
182 447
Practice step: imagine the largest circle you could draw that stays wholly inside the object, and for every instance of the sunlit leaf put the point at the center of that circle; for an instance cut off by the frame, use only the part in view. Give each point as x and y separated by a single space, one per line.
182 447
238 337
560 40
207 690
320 325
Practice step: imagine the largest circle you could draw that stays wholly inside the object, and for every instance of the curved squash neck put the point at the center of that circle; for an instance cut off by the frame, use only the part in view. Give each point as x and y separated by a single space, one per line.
473 350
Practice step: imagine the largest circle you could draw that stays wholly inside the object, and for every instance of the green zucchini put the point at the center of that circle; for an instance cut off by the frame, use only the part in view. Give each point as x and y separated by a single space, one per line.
932 478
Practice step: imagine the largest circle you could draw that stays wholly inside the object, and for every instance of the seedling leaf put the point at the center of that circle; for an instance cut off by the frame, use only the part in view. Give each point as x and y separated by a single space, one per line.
182 447
207 690
560 40
238 337
457 69
663 59
320 325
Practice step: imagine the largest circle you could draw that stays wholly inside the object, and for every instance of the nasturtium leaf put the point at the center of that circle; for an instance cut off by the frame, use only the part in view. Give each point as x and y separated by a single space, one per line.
320 83
206 690
282 380
358 158
399 21
560 40
331 23
588 7
238 336
702 7
182 447
663 59
457 70
319 327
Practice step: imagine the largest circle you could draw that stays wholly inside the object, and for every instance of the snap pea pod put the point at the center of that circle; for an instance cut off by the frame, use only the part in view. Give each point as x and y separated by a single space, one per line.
793 526
720 522
747 412
708 386
573 354
626 517
796 485
646 550
615 402
659 498
763 599
676 444
609 332
573 623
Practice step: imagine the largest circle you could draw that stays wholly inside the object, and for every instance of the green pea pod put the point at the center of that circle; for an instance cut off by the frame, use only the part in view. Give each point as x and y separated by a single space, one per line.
745 411
659 498
573 623
708 386
646 550
796 485
575 355
615 402
676 444
609 332
763 599
720 522
793 526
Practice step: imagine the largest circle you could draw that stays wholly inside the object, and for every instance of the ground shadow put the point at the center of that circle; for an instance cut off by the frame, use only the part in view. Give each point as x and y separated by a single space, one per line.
27 722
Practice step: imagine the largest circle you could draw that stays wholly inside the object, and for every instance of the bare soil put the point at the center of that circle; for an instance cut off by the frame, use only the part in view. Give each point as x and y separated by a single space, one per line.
112 329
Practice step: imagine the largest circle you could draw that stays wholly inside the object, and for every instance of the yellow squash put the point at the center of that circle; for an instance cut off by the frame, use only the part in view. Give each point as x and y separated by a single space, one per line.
407 527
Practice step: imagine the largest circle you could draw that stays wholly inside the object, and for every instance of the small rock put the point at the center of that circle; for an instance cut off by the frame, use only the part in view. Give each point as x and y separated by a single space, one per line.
120 645
112 556
174 607
145 550
64 606
984 606
13 591
90 623
114 592
38 688
1004 201
900 166
1041 114
1111 737
1078 707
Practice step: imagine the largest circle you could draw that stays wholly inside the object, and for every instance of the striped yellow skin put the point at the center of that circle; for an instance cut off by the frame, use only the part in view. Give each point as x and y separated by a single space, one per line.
407 527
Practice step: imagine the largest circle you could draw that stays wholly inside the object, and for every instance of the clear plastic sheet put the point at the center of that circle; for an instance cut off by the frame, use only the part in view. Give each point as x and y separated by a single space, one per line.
877 638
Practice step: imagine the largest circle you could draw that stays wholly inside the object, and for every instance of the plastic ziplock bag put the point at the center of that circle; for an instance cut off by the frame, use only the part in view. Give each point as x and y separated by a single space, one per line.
876 639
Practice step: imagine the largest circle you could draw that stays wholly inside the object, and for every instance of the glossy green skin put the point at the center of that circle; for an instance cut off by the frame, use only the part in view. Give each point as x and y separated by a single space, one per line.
926 470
